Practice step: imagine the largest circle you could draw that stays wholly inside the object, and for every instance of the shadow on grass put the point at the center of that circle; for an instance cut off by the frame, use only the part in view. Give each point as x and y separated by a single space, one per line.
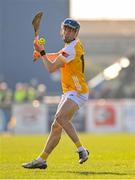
97 173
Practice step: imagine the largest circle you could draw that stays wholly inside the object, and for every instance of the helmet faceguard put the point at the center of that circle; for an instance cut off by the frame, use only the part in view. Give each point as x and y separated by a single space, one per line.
71 23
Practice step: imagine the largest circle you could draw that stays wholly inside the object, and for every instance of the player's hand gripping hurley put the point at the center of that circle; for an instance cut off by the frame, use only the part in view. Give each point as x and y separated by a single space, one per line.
36 25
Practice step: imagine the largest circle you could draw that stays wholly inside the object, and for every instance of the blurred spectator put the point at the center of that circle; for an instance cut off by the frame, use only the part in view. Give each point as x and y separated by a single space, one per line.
27 93
20 94
41 91
31 93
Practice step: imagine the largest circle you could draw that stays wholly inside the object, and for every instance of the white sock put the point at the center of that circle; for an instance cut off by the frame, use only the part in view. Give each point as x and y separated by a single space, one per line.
40 159
81 148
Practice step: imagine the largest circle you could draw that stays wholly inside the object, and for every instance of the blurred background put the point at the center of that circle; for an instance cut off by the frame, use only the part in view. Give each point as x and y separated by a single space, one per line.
29 94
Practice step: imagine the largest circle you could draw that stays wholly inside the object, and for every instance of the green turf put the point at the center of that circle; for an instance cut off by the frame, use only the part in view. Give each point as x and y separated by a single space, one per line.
112 157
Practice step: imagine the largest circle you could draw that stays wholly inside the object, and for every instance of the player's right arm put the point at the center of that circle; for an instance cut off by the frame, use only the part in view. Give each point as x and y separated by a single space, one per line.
65 56
52 56
53 66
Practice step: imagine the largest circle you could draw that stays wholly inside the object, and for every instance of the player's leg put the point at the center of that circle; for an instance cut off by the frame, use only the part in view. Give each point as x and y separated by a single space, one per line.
64 114
52 141
63 117
56 129
55 135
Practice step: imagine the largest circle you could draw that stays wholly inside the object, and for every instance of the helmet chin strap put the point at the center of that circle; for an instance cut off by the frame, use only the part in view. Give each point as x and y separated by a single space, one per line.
69 41
75 36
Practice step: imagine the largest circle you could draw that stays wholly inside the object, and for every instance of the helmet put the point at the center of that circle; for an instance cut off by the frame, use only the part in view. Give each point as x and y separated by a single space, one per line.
71 23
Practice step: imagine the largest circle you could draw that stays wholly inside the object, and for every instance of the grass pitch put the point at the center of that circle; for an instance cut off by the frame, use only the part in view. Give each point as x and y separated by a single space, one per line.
112 157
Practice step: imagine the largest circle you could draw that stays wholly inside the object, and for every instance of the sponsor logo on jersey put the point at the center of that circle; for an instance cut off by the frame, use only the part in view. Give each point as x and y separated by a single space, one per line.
64 54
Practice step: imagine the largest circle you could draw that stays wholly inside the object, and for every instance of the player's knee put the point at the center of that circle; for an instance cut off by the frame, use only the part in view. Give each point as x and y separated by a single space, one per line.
60 120
56 127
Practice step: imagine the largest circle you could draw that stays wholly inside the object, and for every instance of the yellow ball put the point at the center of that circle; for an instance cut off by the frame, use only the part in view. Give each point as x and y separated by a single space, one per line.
42 41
